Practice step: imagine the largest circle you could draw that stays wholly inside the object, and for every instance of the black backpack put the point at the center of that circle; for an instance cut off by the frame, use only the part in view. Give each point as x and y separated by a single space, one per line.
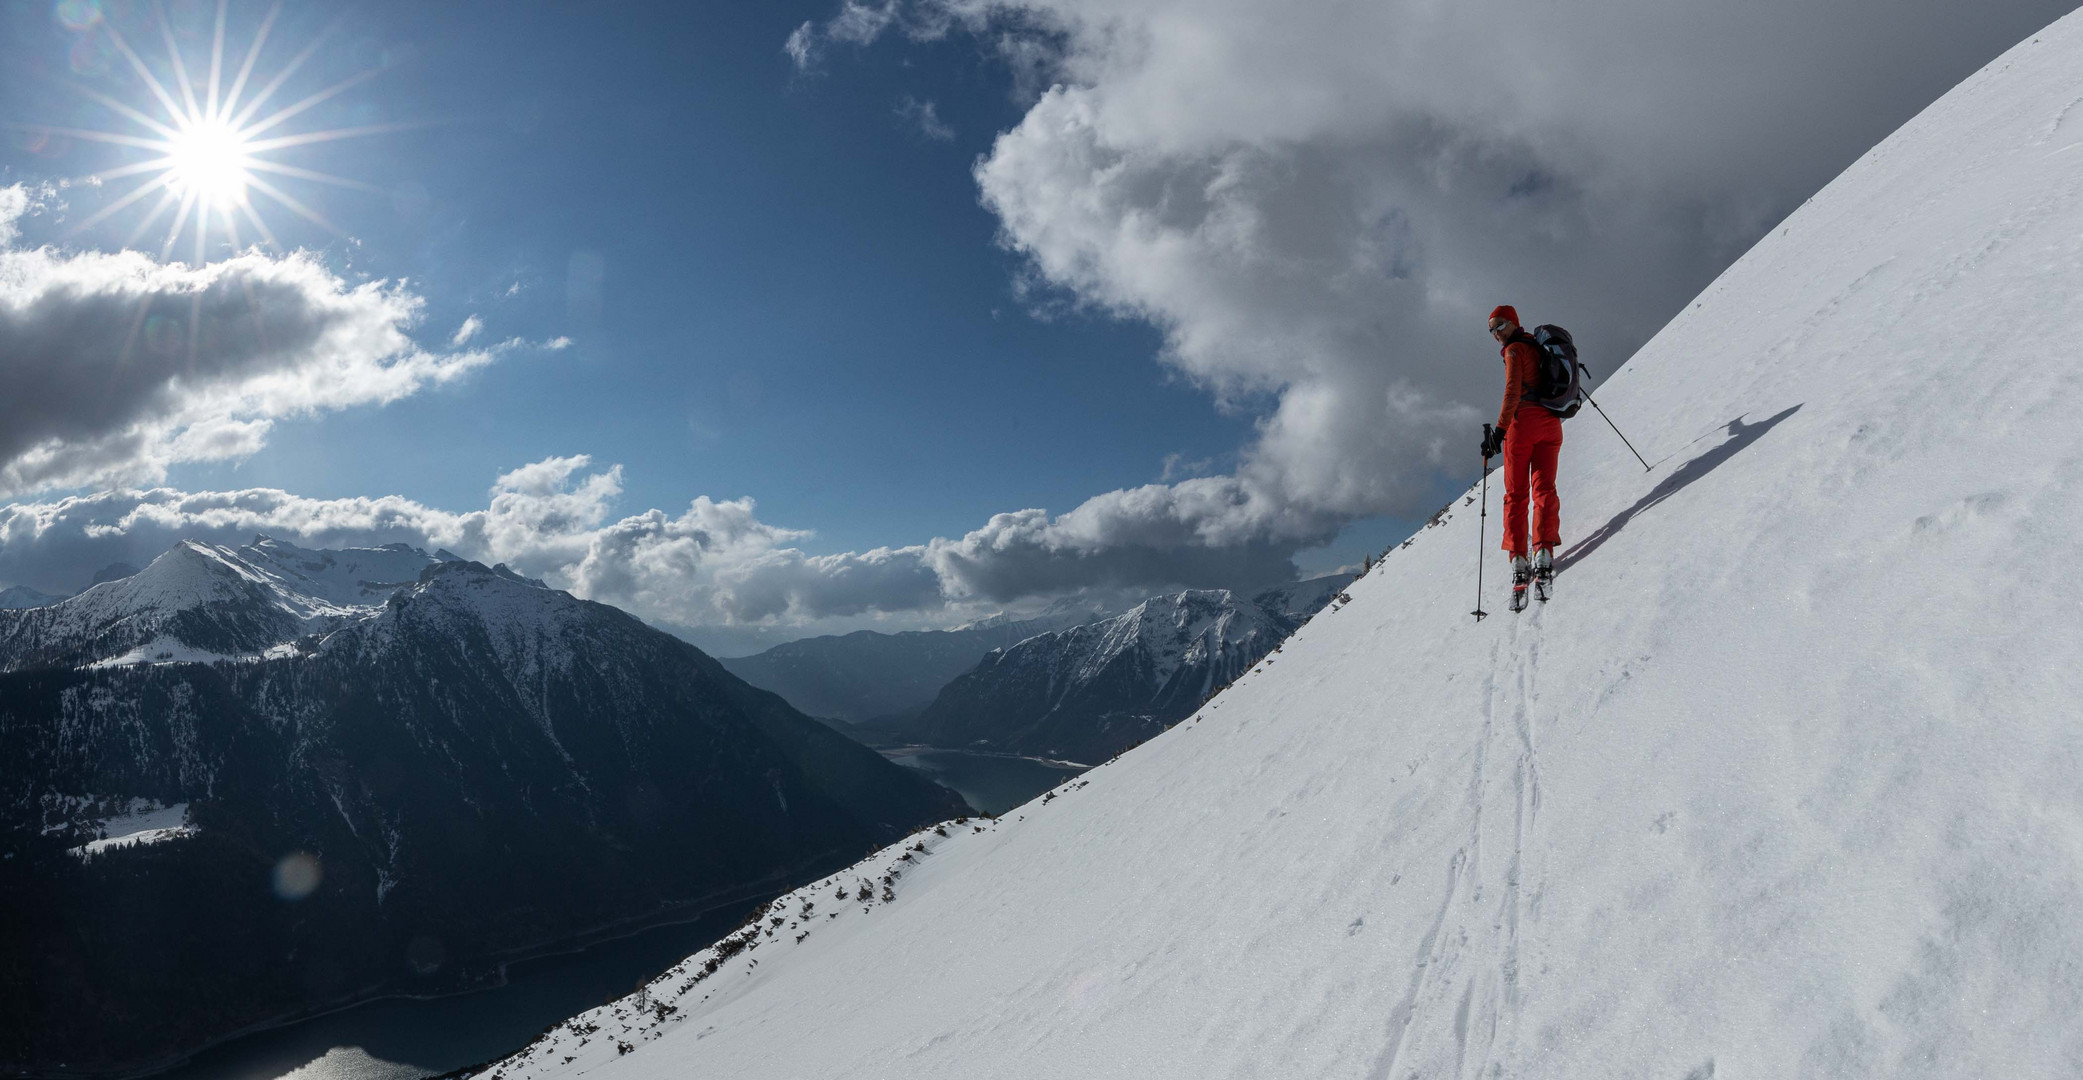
1558 387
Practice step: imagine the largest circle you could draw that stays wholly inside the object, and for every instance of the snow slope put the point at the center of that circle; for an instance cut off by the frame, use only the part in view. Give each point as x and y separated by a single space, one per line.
1783 784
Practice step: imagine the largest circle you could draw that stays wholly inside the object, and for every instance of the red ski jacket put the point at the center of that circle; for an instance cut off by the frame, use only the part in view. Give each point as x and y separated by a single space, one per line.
1522 372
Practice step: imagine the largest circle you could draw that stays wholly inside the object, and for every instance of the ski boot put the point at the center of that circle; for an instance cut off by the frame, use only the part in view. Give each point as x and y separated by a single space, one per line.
1522 575
1543 574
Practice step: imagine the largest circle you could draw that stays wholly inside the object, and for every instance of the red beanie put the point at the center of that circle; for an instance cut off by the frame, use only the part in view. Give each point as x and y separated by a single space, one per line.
1505 311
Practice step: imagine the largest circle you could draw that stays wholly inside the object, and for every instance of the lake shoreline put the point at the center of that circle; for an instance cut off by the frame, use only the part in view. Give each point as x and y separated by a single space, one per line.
991 782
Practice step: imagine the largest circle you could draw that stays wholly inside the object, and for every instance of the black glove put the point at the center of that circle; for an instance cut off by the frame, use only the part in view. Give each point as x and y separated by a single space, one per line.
1493 443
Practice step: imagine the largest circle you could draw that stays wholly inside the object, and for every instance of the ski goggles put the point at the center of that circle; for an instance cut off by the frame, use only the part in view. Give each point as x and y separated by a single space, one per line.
1499 324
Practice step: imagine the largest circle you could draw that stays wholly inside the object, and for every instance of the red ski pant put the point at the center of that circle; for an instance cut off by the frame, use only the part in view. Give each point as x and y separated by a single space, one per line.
1531 445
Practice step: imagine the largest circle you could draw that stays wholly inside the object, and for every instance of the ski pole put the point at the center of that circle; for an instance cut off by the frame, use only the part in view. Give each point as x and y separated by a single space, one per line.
1482 520
1616 427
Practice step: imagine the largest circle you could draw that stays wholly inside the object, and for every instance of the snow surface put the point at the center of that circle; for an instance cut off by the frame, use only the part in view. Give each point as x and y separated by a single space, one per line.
143 821
1782 784
352 577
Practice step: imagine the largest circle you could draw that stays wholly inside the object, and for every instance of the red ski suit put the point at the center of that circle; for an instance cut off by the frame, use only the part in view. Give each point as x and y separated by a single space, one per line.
1532 441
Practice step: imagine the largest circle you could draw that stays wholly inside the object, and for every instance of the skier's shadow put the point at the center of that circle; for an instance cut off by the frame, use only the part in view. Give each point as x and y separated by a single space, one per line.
1740 435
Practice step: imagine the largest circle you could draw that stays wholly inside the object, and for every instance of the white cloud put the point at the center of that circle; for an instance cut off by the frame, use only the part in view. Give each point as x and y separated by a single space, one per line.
117 366
465 332
14 203
858 23
801 45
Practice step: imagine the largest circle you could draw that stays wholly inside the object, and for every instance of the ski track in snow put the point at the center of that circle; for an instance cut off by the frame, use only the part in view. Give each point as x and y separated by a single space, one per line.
1781 783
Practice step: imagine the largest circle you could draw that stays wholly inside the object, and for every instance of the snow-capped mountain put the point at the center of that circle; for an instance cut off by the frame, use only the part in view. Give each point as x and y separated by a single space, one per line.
199 602
1781 784
475 766
868 675
1089 692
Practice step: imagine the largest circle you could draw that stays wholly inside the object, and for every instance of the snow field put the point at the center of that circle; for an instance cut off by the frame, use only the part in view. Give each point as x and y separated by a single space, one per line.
1782 784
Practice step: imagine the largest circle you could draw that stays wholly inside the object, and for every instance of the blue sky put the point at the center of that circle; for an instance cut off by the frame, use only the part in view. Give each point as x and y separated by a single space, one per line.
984 304
802 300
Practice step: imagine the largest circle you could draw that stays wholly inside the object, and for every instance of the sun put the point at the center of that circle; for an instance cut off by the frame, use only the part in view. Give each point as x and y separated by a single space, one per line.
208 161
206 141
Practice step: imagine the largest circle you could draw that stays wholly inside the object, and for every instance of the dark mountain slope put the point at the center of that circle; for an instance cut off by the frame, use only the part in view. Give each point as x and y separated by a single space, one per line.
482 767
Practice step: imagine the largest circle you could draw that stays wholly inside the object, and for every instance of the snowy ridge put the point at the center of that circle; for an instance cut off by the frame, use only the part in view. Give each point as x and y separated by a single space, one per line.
1781 784
530 627
1167 632
354 577
200 603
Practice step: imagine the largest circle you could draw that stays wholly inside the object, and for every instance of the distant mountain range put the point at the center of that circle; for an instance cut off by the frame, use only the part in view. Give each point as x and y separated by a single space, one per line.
1088 692
245 784
866 675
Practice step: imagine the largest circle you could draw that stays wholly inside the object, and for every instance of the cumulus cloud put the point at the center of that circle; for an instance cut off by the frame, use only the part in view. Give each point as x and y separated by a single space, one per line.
117 366
1317 203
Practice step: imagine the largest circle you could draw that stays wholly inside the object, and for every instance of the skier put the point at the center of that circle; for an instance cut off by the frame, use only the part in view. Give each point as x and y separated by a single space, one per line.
1530 437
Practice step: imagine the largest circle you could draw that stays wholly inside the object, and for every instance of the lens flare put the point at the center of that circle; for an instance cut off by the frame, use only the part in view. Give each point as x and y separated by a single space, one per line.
207 135
297 875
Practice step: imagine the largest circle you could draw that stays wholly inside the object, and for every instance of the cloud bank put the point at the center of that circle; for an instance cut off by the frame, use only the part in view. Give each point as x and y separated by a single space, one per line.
713 565
118 366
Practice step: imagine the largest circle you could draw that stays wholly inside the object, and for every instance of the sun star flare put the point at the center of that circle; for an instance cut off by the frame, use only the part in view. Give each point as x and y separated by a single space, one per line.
208 141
